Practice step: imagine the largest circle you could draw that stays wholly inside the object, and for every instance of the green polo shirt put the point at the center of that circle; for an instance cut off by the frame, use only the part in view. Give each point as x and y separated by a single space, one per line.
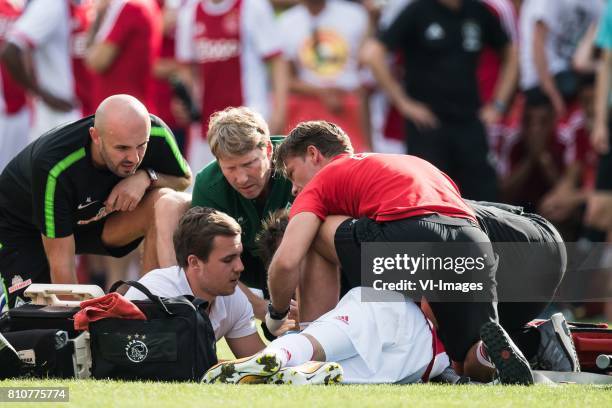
211 189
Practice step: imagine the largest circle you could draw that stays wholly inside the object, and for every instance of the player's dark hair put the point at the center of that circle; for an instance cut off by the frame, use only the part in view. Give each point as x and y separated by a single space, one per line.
271 234
197 230
328 138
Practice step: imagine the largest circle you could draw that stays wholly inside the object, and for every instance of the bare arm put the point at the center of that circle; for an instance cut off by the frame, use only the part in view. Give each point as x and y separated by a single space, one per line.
505 86
14 59
246 346
60 254
283 273
547 82
373 55
279 70
584 59
101 56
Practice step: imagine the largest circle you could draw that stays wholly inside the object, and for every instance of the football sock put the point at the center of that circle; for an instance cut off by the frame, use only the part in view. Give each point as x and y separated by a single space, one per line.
292 349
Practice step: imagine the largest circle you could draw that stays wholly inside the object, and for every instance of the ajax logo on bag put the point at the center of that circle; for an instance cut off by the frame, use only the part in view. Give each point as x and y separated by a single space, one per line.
136 350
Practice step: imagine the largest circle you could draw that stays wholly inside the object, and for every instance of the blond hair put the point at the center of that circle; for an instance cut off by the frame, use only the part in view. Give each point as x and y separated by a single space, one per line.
236 131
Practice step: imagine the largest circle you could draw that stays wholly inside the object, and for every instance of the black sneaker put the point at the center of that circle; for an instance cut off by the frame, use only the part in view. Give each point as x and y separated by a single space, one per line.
10 364
556 351
511 365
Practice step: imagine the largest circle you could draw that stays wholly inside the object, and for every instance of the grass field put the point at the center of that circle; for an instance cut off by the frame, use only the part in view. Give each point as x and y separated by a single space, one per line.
92 393
88 393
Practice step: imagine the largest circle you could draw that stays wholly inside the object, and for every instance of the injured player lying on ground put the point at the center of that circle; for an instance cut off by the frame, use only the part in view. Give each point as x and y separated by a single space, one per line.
389 341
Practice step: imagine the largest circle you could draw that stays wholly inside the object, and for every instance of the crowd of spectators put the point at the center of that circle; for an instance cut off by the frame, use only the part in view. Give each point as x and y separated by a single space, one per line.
508 97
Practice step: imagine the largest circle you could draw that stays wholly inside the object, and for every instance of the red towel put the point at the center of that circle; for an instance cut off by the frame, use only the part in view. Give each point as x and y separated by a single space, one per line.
111 305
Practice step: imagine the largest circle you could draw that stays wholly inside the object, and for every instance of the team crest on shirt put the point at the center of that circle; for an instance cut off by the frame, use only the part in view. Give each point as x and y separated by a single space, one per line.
434 32
325 52
199 29
471 36
231 23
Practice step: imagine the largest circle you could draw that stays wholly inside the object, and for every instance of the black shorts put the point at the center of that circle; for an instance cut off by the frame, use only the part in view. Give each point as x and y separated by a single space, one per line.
459 322
24 261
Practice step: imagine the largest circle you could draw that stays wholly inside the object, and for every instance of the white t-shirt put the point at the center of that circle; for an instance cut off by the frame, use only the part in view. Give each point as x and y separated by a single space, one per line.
324 48
567 21
44 27
231 316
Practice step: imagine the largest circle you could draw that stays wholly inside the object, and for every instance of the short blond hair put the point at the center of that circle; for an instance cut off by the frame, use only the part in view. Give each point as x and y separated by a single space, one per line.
236 131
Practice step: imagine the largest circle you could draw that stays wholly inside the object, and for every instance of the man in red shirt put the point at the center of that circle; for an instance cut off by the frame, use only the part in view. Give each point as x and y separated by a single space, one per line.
124 42
390 198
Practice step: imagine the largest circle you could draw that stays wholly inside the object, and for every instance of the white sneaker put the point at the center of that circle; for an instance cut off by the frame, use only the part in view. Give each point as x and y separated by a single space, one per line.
312 372
249 370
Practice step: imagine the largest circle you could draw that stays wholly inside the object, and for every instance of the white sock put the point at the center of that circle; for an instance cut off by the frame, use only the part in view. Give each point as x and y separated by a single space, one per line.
483 356
292 349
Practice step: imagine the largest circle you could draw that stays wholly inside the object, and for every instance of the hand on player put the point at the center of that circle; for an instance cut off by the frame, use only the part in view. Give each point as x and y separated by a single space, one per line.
126 194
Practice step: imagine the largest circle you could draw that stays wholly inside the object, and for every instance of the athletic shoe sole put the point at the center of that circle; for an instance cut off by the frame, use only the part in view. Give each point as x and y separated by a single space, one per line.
512 367
250 370
565 338
311 373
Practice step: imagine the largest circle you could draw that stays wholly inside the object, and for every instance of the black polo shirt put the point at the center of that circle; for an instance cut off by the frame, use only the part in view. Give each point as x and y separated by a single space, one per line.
52 187
441 48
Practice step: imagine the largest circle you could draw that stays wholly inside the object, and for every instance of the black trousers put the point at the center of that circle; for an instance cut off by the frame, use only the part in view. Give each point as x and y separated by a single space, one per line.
461 151
459 322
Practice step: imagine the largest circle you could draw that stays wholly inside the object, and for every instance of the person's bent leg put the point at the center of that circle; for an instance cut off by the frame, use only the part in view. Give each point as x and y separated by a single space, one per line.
123 228
168 211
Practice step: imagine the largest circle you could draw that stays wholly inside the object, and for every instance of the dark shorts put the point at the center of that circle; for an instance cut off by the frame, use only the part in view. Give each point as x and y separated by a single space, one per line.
24 261
459 322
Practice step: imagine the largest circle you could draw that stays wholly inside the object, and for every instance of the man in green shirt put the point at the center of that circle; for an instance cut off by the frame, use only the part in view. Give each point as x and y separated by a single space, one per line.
241 183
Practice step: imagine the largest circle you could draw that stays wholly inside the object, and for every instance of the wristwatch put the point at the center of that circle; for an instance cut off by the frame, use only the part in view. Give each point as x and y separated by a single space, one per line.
152 175
276 315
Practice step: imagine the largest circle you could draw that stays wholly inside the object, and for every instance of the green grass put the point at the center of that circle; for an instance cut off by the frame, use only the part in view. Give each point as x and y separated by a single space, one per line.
92 393
114 393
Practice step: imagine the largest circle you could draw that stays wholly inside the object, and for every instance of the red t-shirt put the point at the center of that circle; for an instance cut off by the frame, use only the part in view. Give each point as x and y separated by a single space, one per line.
135 27
383 187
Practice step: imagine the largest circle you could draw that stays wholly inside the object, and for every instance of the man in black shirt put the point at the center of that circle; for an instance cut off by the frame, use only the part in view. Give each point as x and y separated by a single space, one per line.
85 187
441 41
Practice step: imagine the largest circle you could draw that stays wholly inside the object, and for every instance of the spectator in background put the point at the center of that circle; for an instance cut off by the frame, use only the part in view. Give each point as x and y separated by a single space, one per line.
228 43
123 43
442 41
167 76
599 212
14 112
81 19
550 31
564 203
42 32
531 156
322 40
